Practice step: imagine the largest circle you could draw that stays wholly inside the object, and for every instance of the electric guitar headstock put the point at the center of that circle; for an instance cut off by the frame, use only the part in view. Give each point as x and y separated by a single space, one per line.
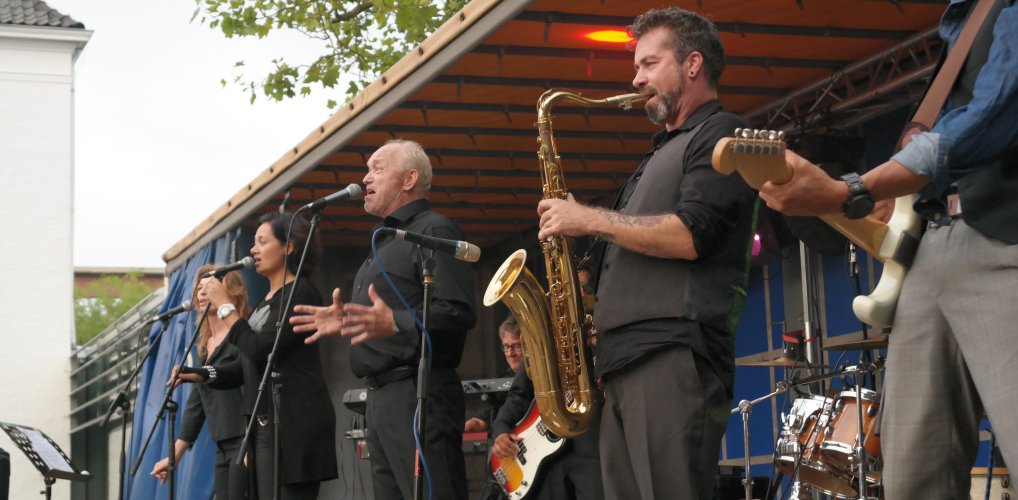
757 155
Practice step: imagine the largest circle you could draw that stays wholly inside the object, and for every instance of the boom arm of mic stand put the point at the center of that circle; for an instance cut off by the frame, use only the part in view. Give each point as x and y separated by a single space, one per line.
745 406
121 400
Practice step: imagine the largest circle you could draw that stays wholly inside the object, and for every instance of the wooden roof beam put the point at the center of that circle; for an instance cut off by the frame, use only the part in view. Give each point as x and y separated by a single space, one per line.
728 27
548 83
512 156
438 171
625 55
513 191
393 130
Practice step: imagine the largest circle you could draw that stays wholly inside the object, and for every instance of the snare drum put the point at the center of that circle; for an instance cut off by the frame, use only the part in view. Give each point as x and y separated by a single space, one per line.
802 435
838 447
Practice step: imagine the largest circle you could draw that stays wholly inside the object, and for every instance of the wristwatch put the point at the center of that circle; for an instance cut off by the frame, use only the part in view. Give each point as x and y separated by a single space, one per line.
859 202
226 310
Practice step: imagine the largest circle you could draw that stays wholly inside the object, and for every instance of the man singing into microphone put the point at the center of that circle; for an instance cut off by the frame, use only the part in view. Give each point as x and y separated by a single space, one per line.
386 338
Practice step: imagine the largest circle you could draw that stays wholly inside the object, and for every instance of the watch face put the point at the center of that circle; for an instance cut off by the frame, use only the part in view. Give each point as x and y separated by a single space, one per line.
859 207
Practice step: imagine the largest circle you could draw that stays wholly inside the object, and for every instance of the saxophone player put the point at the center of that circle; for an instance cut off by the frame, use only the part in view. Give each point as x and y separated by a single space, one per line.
671 283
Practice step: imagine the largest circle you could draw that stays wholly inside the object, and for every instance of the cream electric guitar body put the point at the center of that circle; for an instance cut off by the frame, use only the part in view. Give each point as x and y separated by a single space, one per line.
759 156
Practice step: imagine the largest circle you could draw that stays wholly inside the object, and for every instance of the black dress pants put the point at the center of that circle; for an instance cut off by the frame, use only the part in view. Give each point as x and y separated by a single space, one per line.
390 437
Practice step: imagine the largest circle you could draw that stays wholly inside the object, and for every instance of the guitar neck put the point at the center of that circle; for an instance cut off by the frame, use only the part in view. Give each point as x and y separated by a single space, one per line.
761 161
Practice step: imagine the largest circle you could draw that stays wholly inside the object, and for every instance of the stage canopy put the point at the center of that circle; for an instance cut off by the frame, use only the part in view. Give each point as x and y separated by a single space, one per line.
468 94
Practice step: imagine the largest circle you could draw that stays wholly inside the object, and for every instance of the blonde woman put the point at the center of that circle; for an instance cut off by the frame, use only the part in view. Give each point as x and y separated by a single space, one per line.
216 398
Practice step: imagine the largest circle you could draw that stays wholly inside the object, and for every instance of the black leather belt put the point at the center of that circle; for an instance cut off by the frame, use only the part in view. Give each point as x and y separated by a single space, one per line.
394 375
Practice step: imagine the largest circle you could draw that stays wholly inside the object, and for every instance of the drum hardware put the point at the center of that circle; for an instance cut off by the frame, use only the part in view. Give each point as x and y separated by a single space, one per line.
828 442
745 408
861 436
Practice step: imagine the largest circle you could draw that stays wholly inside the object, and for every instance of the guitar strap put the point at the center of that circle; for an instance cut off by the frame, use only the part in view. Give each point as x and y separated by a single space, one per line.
936 95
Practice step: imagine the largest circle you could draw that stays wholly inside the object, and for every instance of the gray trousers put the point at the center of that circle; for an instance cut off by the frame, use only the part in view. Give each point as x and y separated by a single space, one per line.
661 428
952 355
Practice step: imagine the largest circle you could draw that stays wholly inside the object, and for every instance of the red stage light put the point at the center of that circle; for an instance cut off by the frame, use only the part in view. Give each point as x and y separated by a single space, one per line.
612 36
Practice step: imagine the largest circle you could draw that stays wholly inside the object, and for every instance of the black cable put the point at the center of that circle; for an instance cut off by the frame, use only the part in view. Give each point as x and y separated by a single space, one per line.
989 468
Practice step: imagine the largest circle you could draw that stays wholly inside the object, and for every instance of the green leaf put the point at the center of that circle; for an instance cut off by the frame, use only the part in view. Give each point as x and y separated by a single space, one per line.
361 38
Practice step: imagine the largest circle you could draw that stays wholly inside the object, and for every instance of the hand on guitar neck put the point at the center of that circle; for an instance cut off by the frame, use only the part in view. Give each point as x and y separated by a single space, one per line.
792 185
810 191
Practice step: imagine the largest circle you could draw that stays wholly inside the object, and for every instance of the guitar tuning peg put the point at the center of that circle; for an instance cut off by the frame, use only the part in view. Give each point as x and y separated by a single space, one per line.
738 132
781 136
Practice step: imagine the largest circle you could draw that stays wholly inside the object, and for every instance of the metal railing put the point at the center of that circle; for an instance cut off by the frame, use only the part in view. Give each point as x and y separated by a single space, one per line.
101 367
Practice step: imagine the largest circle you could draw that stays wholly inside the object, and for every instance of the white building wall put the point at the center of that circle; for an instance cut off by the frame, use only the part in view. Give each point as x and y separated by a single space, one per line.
36 214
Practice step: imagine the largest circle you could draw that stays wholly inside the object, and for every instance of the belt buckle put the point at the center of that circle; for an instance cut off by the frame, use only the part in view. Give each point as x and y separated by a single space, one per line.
372 383
954 206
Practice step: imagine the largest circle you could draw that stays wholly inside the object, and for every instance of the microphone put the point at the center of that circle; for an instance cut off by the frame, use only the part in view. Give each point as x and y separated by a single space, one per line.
461 250
245 263
183 307
353 192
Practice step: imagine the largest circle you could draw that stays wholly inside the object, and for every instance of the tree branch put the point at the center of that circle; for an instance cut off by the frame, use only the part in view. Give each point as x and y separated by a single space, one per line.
353 13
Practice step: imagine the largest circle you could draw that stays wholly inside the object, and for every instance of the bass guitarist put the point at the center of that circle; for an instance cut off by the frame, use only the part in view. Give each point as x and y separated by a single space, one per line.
572 473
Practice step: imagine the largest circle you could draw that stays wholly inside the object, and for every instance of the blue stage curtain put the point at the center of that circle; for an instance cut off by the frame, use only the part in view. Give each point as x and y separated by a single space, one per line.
194 477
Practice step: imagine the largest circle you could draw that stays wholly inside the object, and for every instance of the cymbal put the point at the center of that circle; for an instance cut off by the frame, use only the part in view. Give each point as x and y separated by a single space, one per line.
779 363
879 342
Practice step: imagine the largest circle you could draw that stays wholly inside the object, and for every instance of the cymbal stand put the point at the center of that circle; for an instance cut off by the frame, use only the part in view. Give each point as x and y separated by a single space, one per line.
745 408
860 449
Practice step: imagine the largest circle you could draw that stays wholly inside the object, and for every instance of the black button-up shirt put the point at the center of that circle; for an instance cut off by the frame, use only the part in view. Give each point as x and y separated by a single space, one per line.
718 212
452 310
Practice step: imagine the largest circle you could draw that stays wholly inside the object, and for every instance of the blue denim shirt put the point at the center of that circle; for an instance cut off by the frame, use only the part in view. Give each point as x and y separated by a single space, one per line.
967 137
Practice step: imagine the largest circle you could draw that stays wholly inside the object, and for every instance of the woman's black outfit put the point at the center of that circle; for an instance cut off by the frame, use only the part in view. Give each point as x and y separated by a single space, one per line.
219 404
307 444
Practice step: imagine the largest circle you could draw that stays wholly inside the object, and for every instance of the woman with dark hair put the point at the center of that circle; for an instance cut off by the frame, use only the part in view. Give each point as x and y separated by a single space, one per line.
218 399
307 421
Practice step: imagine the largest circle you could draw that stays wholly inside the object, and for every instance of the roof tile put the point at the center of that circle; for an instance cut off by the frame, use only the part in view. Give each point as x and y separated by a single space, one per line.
34 13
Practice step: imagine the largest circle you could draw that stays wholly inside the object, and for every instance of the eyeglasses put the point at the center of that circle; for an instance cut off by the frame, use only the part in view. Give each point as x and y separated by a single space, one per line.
512 347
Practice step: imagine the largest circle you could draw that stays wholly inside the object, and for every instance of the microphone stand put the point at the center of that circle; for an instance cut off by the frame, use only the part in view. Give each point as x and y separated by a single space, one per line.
169 406
270 363
423 372
124 405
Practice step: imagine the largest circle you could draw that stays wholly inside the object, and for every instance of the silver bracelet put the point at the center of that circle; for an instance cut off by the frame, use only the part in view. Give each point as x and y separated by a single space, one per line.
212 373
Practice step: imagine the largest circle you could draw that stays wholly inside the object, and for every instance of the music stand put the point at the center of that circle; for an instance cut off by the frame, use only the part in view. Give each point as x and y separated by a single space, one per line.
45 455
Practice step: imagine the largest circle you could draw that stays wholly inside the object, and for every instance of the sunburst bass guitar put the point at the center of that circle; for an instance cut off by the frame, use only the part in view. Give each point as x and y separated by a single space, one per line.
516 474
759 156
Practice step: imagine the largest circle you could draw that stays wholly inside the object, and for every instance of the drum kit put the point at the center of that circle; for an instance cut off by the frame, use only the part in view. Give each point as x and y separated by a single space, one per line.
820 446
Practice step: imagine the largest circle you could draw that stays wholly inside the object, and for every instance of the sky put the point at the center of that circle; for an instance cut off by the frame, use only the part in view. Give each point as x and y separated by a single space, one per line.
159 143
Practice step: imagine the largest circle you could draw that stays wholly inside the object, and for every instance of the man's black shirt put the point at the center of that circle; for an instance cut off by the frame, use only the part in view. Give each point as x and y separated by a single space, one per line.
452 310
717 210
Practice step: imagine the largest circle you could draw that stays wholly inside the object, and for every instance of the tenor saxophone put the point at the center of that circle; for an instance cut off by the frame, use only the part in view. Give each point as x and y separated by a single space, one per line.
553 324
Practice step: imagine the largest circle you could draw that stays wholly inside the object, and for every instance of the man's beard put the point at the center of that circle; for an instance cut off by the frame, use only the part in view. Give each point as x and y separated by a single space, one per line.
661 111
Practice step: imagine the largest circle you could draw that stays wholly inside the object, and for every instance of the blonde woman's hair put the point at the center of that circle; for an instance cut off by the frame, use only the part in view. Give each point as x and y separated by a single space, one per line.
238 296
